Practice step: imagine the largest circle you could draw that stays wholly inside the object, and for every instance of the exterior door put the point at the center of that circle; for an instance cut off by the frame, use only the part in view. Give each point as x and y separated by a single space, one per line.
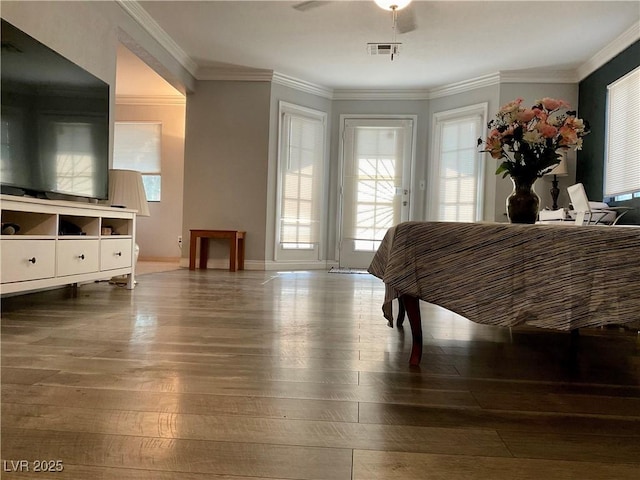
376 171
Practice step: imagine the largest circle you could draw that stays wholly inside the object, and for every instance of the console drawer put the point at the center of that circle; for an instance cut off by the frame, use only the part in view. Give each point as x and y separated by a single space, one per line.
24 260
77 256
115 253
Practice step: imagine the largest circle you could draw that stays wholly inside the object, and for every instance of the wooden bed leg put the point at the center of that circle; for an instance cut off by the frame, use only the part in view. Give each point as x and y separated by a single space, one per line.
412 306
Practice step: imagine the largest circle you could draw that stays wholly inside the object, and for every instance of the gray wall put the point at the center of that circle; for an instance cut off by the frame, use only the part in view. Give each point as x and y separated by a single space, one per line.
226 164
157 235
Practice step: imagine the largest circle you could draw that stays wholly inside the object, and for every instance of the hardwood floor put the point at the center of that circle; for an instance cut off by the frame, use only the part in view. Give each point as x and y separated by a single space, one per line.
295 375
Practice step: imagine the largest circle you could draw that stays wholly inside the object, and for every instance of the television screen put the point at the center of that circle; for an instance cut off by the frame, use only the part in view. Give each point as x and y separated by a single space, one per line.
55 122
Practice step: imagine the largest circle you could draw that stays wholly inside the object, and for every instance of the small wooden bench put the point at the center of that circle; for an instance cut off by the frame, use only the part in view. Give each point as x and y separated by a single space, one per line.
236 247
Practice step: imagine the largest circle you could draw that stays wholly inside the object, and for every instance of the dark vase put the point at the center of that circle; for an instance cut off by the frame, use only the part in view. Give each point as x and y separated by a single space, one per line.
523 203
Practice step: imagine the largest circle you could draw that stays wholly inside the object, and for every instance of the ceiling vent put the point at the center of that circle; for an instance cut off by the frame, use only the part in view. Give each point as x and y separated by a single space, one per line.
383 48
391 49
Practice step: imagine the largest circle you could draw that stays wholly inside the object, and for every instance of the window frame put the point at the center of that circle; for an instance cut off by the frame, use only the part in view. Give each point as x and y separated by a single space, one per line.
145 173
315 250
479 113
634 191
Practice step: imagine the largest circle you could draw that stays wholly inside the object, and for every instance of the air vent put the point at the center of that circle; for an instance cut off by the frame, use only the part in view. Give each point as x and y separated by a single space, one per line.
383 48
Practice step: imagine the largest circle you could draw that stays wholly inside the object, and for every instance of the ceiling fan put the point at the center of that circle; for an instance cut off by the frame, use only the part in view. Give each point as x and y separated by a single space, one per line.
404 20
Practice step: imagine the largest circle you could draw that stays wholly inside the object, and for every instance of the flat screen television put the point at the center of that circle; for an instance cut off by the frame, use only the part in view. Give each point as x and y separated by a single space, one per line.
55 123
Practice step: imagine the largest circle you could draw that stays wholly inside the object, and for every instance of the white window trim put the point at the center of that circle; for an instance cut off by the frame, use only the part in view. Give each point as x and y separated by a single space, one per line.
433 196
300 255
363 116
607 188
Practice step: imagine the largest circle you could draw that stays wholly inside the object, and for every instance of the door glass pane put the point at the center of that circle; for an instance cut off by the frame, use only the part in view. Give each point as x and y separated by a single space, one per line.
378 168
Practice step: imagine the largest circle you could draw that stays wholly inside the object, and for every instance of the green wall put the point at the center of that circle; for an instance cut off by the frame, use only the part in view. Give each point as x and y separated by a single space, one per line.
592 107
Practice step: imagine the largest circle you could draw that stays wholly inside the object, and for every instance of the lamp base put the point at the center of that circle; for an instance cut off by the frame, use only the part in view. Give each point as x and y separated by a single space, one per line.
555 192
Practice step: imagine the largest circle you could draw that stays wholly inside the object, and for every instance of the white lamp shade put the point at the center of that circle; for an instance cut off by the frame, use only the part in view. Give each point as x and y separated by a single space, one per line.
561 169
127 190
392 4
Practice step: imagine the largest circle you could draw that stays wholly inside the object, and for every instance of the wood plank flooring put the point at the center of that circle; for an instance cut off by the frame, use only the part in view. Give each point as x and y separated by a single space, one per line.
295 375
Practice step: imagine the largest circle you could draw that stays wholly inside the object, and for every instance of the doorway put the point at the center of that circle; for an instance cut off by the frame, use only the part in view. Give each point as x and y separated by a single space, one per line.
377 157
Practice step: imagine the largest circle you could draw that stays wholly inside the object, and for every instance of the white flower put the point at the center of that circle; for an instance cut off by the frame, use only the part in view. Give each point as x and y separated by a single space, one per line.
533 137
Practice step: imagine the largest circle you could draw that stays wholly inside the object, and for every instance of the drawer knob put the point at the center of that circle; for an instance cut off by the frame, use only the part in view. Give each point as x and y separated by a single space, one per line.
118 254
81 257
32 260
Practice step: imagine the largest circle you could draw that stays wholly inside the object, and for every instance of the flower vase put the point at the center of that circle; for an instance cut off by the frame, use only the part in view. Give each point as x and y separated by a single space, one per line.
523 203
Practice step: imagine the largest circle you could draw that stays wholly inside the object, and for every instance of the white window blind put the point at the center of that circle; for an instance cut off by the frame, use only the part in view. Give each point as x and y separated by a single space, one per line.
136 146
622 172
459 172
301 180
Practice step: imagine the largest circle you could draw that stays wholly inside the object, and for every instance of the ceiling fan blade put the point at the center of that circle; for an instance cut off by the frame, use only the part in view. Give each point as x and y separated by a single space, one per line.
406 20
304 6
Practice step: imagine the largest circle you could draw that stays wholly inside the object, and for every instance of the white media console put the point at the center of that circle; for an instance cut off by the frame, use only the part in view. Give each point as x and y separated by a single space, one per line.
45 252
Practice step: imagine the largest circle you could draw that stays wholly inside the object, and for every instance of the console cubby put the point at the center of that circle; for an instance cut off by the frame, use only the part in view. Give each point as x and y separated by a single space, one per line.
118 226
87 226
31 223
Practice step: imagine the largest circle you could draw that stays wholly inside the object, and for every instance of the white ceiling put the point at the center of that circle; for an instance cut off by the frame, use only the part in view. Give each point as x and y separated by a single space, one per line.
455 40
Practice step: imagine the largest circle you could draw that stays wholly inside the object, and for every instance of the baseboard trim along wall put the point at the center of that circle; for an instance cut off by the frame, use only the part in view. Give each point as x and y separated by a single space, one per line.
223 264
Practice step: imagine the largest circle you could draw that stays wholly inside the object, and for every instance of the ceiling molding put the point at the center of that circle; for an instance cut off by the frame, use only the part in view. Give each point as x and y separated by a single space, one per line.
538 76
151 100
302 85
140 15
465 85
381 94
152 27
626 39
234 73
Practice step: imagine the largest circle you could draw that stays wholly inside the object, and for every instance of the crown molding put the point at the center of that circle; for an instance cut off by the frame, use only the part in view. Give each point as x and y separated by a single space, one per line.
140 15
302 85
234 73
380 94
465 85
151 100
538 76
626 39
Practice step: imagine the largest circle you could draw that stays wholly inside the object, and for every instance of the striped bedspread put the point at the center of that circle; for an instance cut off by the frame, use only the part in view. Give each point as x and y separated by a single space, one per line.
559 277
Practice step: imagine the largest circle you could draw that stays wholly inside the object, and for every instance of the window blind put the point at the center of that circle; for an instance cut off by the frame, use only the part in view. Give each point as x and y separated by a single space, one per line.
301 180
136 146
458 172
622 172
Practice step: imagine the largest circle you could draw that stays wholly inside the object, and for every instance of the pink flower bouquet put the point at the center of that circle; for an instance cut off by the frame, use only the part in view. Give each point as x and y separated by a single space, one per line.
528 140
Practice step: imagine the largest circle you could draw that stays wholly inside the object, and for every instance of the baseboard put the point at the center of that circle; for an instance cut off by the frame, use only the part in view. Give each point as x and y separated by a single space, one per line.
269 265
279 265
223 264
160 259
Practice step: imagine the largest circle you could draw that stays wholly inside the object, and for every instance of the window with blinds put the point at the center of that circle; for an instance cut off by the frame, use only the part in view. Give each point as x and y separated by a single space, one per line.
301 179
136 146
458 165
622 170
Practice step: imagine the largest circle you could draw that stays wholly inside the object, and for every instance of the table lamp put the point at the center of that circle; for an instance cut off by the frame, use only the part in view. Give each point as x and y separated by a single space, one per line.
126 190
559 171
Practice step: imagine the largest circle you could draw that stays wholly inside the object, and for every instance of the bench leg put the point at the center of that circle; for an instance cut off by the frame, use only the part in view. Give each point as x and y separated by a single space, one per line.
412 306
204 252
